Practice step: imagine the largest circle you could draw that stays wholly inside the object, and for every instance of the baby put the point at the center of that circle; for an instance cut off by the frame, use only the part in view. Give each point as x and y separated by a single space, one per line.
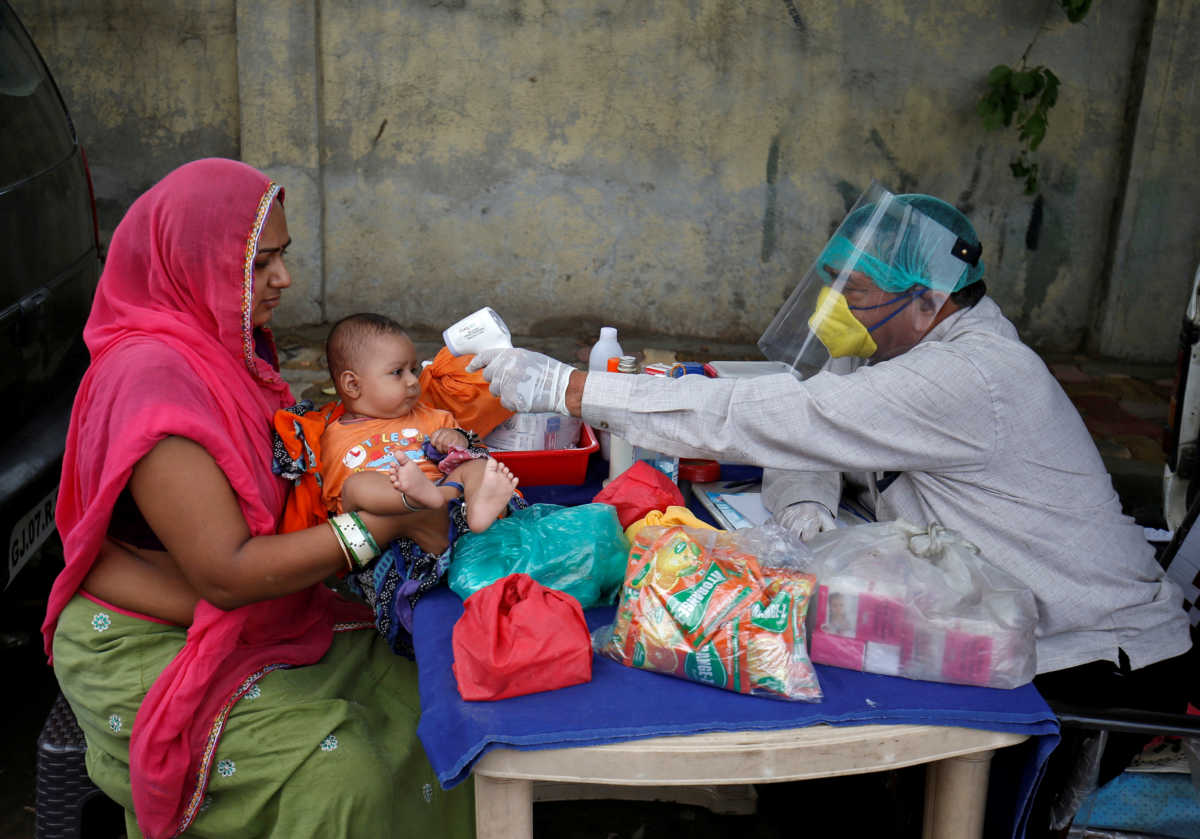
389 453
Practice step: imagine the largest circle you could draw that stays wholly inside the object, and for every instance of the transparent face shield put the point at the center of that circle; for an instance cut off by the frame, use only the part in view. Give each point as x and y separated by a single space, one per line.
876 288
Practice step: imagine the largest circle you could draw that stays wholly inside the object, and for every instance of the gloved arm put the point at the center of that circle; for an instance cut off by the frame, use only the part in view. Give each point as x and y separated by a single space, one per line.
803 502
523 380
806 519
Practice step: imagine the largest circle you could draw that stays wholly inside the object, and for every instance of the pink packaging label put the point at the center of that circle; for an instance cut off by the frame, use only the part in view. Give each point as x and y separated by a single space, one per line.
882 619
826 648
967 659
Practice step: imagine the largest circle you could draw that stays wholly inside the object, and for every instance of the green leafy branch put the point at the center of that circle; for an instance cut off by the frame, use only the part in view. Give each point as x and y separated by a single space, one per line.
1024 96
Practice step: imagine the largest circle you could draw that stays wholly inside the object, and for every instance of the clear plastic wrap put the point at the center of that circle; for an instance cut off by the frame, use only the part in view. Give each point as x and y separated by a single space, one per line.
919 602
725 608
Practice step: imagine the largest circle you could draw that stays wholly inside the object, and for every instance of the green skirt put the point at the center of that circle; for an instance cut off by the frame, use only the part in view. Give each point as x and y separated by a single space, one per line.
327 750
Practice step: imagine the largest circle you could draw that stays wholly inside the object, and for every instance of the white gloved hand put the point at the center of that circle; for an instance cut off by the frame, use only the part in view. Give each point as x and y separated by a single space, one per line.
806 519
525 381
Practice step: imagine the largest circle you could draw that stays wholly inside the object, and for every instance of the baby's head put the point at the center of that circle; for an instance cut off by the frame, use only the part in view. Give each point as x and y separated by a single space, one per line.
374 366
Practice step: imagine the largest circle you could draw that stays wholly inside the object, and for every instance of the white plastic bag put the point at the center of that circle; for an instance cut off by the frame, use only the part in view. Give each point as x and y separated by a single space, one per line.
921 603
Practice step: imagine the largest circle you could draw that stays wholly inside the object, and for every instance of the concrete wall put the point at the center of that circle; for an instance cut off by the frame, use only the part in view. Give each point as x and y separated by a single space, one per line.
663 166
149 85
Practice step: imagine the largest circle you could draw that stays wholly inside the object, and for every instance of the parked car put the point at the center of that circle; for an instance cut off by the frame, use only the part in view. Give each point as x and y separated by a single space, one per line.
49 266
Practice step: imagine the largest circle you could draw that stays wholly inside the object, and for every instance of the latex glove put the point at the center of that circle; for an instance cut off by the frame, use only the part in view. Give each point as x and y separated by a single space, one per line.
524 381
806 519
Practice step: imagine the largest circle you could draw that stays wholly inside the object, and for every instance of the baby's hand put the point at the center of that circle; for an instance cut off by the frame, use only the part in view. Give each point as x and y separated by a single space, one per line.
445 439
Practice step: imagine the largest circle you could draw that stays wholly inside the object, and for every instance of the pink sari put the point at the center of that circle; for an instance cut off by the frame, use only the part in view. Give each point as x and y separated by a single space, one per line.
173 354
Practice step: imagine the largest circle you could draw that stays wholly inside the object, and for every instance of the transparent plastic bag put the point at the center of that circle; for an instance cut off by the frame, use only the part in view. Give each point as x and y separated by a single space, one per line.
725 608
580 550
919 602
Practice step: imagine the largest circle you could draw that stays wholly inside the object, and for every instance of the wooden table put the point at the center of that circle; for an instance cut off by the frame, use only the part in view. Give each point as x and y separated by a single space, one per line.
955 786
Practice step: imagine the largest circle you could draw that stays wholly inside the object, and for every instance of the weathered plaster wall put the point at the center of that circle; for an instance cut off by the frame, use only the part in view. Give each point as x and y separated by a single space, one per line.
149 84
1157 236
664 166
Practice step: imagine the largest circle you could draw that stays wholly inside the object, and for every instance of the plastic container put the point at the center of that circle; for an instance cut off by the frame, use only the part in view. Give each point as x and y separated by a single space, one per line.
552 466
620 450
604 349
478 331
535 432
742 369
603 352
687 368
665 463
696 471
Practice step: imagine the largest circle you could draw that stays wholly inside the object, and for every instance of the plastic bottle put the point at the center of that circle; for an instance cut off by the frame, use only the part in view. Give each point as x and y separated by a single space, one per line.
604 349
620 452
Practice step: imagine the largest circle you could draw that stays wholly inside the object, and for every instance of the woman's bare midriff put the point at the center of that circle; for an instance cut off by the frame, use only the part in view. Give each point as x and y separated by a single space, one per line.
152 583
144 581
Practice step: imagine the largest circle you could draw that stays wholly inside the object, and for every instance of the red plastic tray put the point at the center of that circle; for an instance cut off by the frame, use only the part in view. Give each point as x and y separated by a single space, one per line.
552 466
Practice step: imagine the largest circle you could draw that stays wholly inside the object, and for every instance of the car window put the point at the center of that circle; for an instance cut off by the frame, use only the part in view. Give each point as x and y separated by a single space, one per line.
28 98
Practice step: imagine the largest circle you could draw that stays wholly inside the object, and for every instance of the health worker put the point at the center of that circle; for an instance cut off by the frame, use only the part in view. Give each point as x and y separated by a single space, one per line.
914 394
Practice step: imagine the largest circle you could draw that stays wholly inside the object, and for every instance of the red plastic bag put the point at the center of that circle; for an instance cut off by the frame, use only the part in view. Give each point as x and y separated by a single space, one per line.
516 636
638 490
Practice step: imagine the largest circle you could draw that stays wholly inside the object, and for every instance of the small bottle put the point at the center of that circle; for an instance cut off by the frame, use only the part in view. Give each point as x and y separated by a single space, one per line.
620 451
604 349
602 352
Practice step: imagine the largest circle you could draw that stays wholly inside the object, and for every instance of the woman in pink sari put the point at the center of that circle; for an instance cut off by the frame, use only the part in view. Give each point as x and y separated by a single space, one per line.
223 689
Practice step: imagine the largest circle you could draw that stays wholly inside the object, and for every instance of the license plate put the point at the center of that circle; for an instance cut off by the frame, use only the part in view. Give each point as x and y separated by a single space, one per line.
29 533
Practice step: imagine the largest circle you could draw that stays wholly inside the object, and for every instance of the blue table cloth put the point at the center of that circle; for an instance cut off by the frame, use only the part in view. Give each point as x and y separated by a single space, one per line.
623 703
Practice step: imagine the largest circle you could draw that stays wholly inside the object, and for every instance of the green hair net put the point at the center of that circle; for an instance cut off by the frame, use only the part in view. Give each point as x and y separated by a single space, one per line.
907 241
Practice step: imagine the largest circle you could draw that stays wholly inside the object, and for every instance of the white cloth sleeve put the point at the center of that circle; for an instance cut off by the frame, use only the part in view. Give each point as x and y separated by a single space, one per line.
781 488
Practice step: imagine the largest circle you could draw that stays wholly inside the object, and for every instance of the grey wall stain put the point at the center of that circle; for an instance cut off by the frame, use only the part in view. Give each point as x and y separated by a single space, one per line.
965 198
1034 231
768 225
849 193
905 181
1047 261
794 14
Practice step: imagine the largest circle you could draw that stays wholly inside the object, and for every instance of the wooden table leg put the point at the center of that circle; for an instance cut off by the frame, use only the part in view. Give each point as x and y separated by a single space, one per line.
956 796
503 809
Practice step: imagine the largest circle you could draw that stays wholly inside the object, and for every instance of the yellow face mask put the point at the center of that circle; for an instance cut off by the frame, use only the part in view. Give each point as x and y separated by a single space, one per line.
838 329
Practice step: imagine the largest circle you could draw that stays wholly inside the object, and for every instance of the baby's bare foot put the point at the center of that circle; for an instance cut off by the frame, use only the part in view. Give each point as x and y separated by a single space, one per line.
407 477
491 496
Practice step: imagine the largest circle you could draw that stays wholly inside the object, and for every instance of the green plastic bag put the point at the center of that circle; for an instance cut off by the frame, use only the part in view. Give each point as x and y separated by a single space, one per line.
580 550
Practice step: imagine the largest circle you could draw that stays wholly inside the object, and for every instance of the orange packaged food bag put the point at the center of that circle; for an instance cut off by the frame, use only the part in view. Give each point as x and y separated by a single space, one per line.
698 606
776 642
